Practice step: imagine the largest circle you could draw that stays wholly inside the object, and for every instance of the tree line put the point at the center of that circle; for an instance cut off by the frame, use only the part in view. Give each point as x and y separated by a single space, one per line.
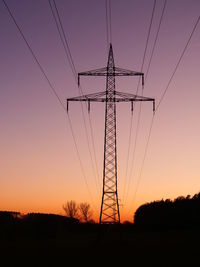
182 211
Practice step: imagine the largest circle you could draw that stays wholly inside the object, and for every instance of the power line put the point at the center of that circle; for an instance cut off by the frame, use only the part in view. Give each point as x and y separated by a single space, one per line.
34 56
107 31
148 68
64 41
150 60
156 39
108 23
95 158
81 92
52 90
143 160
139 114
147 42
160 101
128 156
63 38
80 161
110 20
178 63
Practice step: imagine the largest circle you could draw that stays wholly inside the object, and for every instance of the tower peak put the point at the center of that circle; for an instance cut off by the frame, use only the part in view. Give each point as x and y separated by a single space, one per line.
110 63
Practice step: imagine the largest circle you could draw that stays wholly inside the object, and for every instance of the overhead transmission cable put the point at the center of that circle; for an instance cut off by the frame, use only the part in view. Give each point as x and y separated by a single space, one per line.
152 54
65 44
161 100
147 73
155 41
34 56
127 182
63 38
53 90
108 23
178 63
110 20
71 62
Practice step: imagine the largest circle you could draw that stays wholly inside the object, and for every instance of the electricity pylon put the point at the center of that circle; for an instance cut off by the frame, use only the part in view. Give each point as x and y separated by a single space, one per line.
110 205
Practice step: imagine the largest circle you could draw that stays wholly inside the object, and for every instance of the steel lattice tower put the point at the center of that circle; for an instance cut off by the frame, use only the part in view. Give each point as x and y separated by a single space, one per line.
110 205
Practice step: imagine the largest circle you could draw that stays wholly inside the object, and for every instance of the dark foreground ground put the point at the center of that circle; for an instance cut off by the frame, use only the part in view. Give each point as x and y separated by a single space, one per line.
94 244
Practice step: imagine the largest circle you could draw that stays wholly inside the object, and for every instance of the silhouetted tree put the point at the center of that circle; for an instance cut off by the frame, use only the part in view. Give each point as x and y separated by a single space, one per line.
9 216
71 209
182 211
85 211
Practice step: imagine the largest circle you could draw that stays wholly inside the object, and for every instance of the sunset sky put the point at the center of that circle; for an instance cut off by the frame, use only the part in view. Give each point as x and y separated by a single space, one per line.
39 165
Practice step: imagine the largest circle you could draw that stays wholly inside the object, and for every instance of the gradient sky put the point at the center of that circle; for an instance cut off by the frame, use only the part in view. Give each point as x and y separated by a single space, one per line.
39 168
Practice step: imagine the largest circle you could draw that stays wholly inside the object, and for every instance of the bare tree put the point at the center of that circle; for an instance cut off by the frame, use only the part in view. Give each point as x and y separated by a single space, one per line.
71 209
85 211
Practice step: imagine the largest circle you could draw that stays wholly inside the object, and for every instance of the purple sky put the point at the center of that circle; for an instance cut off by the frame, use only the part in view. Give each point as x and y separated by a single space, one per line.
40 170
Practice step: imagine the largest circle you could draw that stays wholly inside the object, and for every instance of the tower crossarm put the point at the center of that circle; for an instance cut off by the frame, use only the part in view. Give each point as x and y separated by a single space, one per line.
96 97
116 71
125 72
119 97
96 72
132 97
90 97
126 97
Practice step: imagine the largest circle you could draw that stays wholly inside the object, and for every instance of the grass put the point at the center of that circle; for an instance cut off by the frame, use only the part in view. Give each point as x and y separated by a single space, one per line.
138 247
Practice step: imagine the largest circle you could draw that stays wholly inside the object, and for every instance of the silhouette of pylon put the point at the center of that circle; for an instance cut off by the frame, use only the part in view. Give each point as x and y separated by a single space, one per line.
109 212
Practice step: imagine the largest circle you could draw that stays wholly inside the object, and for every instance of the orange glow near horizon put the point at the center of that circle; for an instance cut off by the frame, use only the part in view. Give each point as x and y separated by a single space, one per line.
40 169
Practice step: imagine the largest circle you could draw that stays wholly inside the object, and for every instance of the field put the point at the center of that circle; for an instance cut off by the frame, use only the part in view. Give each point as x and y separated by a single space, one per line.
91 243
